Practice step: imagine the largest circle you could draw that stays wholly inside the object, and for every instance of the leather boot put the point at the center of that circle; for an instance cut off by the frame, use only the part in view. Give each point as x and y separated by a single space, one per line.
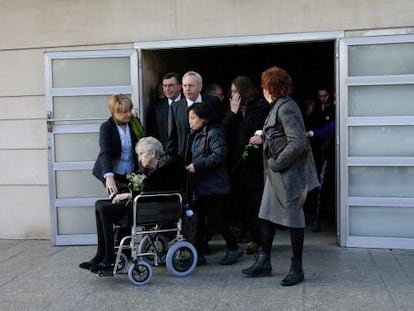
261 267
295 275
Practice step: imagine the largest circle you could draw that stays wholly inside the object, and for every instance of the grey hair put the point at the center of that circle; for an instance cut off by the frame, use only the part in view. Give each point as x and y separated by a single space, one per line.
194 74
150 144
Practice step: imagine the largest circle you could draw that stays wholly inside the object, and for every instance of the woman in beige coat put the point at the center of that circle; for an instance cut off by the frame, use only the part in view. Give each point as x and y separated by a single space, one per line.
289 174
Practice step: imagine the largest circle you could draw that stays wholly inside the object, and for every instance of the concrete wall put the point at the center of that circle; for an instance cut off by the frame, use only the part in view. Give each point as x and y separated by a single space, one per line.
30 27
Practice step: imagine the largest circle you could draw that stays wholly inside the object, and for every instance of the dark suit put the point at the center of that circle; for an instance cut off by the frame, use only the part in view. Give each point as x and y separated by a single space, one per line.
110 149
178 126
157 121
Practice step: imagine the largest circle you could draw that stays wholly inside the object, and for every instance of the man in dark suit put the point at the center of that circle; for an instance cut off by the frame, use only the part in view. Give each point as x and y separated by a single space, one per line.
178 126
157 121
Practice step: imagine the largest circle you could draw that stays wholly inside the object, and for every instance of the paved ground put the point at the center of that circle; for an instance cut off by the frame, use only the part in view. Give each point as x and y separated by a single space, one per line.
37 276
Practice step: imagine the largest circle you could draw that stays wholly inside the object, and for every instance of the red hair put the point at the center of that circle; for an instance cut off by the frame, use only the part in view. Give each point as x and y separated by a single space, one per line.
277 81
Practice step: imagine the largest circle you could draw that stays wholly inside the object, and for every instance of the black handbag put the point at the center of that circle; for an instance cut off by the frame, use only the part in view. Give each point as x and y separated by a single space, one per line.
276 142
275 139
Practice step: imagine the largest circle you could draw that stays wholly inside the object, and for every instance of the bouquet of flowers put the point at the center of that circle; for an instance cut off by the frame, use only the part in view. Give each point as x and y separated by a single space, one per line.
135 181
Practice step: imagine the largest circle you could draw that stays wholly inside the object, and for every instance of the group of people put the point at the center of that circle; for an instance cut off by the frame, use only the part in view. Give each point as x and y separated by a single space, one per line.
248 160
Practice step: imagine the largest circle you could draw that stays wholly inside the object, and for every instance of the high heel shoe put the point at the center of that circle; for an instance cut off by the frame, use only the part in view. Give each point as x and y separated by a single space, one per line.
261 267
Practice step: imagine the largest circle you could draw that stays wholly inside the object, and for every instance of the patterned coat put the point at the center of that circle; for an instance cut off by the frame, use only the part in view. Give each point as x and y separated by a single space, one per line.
291 173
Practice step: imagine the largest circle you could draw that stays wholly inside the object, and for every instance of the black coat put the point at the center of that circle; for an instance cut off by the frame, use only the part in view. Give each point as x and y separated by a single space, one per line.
245 172
157 120
169 175
209 159
178 126
110 149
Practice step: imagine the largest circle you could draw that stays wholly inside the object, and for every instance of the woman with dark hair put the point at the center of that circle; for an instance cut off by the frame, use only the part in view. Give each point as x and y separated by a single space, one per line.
246 115
209 178
289 174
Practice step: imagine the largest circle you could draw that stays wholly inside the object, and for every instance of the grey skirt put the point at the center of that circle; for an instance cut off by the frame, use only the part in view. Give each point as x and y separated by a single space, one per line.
289 214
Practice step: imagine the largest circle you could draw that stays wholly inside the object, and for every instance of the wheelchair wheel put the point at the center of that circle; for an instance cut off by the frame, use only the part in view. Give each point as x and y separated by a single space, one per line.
181 258
140 273
122 264
160 247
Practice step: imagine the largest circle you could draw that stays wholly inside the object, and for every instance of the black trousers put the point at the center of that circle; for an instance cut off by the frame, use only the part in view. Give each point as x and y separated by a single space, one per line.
212 207
107 214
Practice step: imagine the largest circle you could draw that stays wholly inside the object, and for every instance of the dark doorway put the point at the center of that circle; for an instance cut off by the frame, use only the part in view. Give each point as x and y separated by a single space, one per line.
310 64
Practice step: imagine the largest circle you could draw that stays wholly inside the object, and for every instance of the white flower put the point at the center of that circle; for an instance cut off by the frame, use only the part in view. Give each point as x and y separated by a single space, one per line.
135 181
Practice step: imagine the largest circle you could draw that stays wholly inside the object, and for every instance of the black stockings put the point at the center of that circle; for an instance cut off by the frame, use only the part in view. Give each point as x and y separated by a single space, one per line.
267 231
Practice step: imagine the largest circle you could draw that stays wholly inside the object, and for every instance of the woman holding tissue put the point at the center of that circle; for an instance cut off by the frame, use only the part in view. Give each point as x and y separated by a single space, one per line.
246 115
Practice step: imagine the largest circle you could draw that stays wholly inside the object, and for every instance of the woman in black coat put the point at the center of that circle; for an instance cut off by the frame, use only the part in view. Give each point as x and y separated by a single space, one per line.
246 116
117 139
209 179
163 173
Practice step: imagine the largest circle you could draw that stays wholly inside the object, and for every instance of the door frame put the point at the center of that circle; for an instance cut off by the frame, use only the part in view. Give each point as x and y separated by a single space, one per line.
262 39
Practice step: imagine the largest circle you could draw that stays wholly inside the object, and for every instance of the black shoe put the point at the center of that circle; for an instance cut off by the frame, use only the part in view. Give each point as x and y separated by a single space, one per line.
102 268
87 264
261 267
293 277
231 257
201 260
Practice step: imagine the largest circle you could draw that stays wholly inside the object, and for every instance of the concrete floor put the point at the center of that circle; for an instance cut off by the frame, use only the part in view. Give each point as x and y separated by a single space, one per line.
38 276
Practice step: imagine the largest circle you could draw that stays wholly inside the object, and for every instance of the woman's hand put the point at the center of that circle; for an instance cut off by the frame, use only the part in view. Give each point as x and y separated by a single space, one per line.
190 168
110 185
256 140
235 102
121 197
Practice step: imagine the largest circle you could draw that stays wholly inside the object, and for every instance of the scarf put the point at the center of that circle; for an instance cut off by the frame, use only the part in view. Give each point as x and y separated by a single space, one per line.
135 125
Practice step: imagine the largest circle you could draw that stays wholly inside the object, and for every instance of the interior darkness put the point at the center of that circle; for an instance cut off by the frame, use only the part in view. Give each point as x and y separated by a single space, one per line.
310 64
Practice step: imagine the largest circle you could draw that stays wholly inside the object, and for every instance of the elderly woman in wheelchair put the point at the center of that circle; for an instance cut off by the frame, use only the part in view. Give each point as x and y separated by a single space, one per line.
162 173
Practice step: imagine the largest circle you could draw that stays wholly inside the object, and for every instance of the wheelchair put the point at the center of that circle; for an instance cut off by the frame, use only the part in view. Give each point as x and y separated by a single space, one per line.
155 214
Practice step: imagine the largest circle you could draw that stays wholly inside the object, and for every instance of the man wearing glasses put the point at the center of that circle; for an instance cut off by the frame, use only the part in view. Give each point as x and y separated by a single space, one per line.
157 122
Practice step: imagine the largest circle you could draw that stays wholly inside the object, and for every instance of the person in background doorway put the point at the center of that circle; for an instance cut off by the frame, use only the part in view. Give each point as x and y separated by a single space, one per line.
245 116
289 174
157 120
178 126
322 137
117 138
215 90
209 178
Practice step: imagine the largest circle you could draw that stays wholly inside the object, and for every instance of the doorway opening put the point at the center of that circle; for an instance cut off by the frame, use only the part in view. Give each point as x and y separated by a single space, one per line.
310 64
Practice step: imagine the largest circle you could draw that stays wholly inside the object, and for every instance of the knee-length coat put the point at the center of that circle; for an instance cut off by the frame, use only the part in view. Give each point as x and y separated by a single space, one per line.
290 170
